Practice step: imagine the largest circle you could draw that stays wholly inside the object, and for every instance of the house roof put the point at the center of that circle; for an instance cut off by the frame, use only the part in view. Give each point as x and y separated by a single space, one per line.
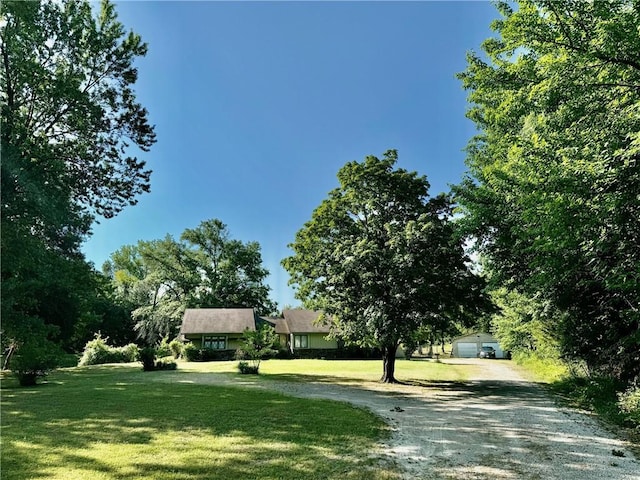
304 321
217 320
279 324
474 336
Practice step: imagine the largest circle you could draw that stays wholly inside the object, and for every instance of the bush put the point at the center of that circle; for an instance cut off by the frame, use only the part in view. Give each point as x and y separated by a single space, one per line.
176 347
245 368
148 358
165 365
98 352
194 354
163 350
34 359
629 404
191 352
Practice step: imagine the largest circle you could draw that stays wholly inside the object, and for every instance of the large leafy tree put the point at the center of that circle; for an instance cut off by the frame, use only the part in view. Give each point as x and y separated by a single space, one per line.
206 268
70 121
555 170
381 257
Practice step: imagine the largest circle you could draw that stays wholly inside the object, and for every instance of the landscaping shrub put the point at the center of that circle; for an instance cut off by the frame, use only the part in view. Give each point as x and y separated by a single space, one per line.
164 364
176 347
163 350
191 352
195 354
629 404
97 352
34 359
148 358
245 368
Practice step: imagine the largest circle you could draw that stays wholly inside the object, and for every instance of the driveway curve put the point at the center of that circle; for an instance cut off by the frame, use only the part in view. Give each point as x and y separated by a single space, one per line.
495 426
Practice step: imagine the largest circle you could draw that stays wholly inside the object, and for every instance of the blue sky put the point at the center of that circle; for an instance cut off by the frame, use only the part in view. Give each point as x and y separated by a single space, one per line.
257 105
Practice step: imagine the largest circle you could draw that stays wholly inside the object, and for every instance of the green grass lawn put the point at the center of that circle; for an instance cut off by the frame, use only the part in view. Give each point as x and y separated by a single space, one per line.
117 422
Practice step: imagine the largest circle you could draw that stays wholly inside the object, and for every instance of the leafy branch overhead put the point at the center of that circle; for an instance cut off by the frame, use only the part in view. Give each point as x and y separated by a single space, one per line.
69 103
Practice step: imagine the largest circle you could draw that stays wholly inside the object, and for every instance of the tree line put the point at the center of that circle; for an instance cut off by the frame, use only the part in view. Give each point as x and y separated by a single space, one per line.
550 201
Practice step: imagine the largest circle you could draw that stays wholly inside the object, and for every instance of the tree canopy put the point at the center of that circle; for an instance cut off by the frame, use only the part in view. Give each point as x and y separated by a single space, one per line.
381 257
70 122
553 190
206 268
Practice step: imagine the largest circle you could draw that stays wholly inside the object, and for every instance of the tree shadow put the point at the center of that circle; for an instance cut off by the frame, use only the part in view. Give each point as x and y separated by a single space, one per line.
62 421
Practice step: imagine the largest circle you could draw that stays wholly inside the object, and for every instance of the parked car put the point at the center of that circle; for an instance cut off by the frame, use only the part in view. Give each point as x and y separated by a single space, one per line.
487 352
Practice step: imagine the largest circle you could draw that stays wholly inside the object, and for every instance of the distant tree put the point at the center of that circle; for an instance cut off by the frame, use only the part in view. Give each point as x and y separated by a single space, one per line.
69 121
552 193
523 324
257 345
158 279
231 272
383 259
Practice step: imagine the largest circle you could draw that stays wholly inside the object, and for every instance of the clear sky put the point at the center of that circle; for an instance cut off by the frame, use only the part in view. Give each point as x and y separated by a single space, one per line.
257 105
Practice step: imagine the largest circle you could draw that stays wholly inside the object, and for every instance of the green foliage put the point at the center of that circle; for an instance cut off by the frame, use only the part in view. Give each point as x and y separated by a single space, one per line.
164 349
629 404
382 258
257 345
246 369
204 269
552 192
191 352
177 348
195 354
34 359
69 114
525 325
578 386
595 393
165 364
148 358
544 368
97 352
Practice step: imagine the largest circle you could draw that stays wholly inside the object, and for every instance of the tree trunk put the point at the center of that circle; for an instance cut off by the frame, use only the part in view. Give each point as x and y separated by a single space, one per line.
389 364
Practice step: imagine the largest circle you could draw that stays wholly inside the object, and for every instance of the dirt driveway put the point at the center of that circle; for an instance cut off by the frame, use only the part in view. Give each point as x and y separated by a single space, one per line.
495 426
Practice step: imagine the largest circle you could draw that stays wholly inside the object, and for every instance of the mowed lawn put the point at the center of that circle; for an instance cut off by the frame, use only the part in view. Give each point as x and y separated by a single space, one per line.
117 422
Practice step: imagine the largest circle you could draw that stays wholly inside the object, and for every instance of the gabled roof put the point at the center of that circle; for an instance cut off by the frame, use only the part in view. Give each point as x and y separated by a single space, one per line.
217 320
279 324
304 321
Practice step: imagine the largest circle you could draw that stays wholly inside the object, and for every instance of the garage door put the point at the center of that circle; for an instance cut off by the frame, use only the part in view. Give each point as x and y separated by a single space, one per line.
496 347
467 350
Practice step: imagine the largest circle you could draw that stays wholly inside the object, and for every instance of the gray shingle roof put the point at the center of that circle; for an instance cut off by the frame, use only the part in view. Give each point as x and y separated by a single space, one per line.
304 321
217 320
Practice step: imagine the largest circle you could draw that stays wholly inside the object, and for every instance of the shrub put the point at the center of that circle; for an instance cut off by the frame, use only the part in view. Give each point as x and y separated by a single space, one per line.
34 359
191 352
163 350
164 364
257 345
148 358
245 368
97 352
176 347
629 403
194 354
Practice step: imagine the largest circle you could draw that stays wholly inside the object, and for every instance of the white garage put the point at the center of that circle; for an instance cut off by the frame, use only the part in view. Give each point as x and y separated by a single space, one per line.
468 346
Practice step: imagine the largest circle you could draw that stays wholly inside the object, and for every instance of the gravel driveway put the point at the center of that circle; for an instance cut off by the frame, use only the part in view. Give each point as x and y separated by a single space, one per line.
495 426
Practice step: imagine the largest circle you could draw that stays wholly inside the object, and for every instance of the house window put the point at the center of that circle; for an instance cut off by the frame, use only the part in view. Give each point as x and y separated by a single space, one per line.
300 341
214 343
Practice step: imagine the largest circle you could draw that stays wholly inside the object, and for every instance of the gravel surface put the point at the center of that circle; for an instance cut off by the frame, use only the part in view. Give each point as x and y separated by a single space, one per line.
495 426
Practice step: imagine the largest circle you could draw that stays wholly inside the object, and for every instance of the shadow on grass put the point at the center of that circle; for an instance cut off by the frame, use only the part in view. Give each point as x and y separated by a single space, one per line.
116 421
